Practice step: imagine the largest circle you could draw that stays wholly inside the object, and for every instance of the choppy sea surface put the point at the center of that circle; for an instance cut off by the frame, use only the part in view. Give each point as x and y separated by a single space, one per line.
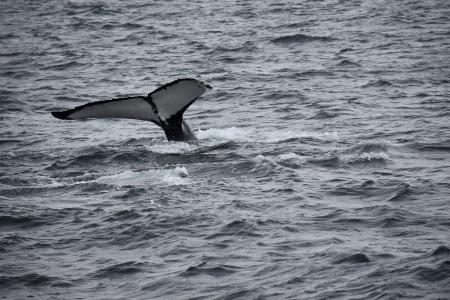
322 169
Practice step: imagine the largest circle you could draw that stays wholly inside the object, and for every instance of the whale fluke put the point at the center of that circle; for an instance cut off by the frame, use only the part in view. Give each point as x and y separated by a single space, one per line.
164 107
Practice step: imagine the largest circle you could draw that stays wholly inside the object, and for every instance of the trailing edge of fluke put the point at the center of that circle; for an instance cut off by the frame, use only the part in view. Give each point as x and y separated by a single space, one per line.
164 107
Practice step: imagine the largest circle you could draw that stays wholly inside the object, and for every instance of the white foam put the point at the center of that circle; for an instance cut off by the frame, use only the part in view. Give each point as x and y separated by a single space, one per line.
177 176
261 158
275 160
231 133
292 157
365 156
172 148
45 182
278 136
261 136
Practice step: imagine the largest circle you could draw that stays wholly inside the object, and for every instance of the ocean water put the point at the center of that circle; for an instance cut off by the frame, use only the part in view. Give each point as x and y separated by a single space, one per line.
322 169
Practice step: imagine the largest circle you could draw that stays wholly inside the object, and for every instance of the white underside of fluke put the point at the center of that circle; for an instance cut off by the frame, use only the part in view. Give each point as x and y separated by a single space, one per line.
130 108
172 98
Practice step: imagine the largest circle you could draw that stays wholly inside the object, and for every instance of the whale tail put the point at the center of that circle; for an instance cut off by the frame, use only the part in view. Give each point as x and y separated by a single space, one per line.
164 107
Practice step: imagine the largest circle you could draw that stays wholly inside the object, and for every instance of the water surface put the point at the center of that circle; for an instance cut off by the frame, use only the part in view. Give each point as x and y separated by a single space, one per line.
321 170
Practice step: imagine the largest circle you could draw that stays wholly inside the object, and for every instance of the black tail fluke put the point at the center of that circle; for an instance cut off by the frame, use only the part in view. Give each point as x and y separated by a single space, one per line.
62 115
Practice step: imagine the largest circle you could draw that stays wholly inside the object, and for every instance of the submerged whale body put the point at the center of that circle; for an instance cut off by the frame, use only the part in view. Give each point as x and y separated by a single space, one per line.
164 107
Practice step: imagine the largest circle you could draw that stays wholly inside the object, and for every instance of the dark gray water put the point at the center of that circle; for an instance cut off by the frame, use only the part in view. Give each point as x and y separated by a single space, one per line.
322 169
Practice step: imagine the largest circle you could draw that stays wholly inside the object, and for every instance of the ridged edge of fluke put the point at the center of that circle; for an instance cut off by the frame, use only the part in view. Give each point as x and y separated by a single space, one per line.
165 86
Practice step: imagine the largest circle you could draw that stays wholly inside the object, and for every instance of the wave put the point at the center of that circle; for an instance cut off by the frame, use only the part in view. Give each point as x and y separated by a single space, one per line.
20 221
127 25
397 192
290 160
443 146
122 215
352 259
63 66
17 74
173 148
363 157
29 279
332 159
378 83
386 191
236 228
344 50
348 63
231 133
199 147
9 241
362 153
324 114
316 72
440 251
100 155
96 181
6 36
101 9
245 47
440 273
215 271
120 269
300 38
